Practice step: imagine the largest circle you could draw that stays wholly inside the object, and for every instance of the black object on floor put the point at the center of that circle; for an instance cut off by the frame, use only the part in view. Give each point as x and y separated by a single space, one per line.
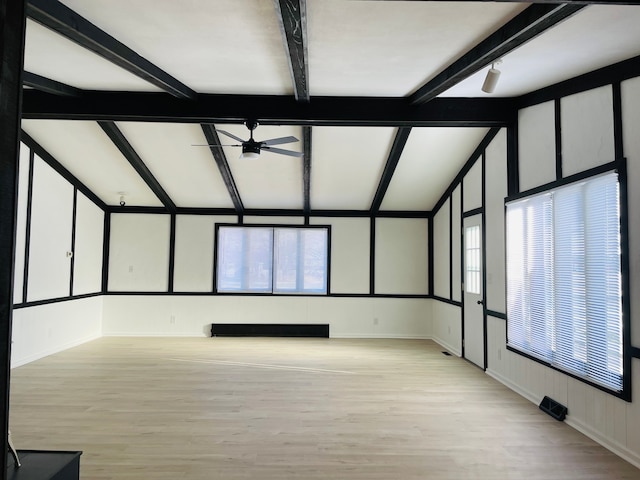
44 465
553 408
269 330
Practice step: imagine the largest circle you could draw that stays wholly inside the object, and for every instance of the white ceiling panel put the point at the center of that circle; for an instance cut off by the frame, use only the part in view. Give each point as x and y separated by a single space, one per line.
429 162
86 151
376 48
187 173
53 56
226 46
346 165
272 181
595 37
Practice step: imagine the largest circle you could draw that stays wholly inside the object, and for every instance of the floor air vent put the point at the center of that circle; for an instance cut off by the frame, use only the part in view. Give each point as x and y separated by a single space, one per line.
446 353
553 408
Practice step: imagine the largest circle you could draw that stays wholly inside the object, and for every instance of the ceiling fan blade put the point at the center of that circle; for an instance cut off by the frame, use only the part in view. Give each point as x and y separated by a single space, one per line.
214 145
279 141
291 153
230 135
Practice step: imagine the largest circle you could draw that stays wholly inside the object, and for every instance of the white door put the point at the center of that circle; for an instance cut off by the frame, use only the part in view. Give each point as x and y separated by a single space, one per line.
473 324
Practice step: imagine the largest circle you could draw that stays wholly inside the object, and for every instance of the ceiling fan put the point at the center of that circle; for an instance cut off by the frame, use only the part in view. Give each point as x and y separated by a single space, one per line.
251 148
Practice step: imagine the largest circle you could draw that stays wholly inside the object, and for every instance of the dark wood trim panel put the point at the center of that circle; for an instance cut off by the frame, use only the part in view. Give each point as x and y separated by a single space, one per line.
306 171
221 160
72 262
400 140
106 244
525 26
558 129
47 85
62 171
172 252
447 300
495 314
431 256
513 162
635 352
27 236
122 144
48 301
67 23
12 33
488 138
269 110
617 121
292 16
372 256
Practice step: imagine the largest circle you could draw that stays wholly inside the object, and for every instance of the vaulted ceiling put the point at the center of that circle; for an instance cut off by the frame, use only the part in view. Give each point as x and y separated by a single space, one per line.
384 96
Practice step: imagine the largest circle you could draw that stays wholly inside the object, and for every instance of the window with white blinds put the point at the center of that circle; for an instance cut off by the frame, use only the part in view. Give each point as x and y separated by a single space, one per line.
272 259
564 282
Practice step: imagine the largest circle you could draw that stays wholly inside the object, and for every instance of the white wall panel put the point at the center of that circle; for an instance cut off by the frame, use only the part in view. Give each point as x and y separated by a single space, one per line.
192 316
402 262
587 130
456 252
447 326
87 275
139 252
193 267
496 190
47 329
350 247
51 224
630 127
21 222
472 187
442 252
536 146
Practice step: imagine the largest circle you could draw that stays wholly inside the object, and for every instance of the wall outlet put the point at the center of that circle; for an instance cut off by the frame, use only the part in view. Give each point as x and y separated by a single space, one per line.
130 268
375 321
172 320
449 329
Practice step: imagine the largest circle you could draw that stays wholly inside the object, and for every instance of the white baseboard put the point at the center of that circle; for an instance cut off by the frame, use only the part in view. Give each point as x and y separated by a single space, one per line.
450 348
399 336
50 351
168 334
611 445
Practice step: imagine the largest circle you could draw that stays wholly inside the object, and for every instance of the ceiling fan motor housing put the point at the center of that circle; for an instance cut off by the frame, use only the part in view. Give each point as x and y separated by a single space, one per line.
251 147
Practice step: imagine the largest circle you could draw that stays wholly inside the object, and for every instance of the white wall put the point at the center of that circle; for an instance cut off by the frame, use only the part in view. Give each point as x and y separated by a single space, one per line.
193 315
536 145
442 243
139 252
447 326
402 256
21 223
50 240
47 329
87 271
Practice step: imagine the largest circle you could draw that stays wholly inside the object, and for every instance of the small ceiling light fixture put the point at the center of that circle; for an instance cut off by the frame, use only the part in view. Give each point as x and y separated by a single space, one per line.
491 80
122 202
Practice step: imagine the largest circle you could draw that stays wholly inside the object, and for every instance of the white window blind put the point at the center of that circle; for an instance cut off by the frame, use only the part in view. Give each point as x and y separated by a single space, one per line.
272 259
564 288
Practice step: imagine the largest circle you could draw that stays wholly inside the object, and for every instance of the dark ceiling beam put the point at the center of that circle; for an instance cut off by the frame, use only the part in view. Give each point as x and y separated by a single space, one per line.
47 85
399 142
306 169
292 16
64 21
221 160
119 140
575 2
534 20
269 110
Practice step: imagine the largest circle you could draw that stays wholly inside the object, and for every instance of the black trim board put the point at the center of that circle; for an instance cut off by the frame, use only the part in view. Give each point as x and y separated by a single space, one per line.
635 352
122 144
292 16
528 24
495 314
106 244
372 256
74 218
36 303
293 295
475 211
225 171
12 34
62 171
399 142
27 236
558 136
269 109
67 23
45 84
307 136
447 300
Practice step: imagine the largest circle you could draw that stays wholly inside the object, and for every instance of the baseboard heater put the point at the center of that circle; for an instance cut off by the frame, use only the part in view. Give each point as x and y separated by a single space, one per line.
553 408
269 330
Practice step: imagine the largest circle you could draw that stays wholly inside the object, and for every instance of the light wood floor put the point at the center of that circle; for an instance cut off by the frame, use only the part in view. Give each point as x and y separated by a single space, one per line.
250 408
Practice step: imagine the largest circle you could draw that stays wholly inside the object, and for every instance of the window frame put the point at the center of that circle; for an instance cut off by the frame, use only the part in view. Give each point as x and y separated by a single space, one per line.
273 291
619 167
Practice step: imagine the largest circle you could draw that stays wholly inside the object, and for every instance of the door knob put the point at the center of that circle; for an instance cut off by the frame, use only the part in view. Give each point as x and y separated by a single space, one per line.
480 302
